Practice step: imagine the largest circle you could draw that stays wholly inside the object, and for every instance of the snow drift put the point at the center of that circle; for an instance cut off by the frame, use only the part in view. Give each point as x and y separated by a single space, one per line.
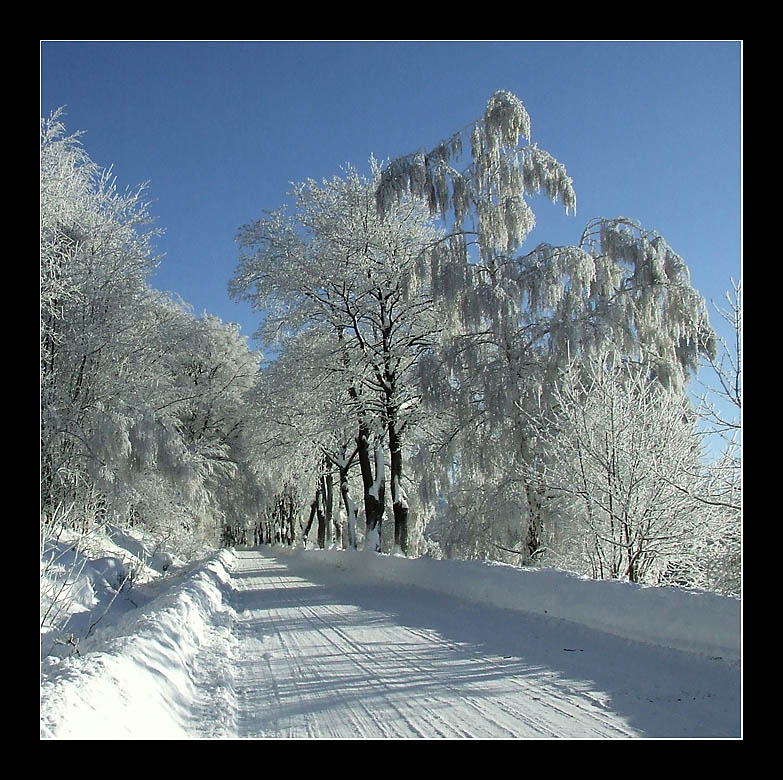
139 666
678 618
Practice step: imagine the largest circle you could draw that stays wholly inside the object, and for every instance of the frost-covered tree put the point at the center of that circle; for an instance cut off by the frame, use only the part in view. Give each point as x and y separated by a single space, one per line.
721 406
336 269
140 400
614 436
304 431
518 318
95 259
716 562
492 191
210 375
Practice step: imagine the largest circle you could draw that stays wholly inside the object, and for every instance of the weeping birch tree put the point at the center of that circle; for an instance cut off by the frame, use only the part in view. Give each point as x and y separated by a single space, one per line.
518 318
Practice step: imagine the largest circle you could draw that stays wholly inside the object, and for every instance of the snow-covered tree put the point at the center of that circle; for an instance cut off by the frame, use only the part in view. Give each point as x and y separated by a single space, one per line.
95 259
492 192
614 436
716 563
721 406
210 375
518 319
140 400
303 430
336 269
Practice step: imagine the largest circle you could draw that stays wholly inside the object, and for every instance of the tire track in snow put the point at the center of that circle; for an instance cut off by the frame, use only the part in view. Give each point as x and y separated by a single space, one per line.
326 620
308 667
542 714
518 707
308 701
544 696
417 667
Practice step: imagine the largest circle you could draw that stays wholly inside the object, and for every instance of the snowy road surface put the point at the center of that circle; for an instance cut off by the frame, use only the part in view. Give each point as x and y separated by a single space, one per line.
341 658
325 644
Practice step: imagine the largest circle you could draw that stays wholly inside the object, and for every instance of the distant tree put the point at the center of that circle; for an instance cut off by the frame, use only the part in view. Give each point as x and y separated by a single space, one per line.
303 429
211 374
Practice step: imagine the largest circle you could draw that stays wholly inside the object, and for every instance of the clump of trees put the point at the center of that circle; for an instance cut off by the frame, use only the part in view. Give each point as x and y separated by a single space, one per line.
438 357
432 385
348 300
143 405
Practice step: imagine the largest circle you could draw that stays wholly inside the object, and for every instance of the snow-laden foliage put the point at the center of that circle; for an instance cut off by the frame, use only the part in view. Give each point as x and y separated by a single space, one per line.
454 344
93 245
721 402
516 328
666 321
346 290
492 190
516 321
614 437
141 402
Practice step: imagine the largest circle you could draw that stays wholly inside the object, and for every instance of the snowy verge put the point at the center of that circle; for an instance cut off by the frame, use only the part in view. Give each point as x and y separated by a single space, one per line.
133 679
84 577
689 620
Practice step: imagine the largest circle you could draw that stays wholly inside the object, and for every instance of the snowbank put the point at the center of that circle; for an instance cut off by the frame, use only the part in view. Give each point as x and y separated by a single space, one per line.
694 621
84 577
133 679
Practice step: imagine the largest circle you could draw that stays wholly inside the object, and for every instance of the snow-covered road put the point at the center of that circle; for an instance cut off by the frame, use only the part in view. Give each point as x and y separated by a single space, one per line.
315 651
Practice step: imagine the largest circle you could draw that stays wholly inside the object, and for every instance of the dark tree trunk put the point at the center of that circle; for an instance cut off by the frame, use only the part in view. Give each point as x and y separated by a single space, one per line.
327 503
350 508
321 515
374 494
535 522
374 497
399 499
313 511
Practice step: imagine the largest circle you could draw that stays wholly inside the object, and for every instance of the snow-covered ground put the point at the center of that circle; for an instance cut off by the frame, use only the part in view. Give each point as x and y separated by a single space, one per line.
335 644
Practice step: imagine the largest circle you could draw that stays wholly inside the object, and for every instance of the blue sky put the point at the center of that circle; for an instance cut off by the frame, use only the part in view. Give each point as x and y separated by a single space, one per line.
647 130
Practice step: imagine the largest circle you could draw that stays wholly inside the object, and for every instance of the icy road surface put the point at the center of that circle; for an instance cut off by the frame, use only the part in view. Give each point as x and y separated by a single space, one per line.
317 652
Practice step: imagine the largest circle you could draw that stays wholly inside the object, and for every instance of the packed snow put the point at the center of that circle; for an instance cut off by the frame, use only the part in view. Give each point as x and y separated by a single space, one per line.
279 643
